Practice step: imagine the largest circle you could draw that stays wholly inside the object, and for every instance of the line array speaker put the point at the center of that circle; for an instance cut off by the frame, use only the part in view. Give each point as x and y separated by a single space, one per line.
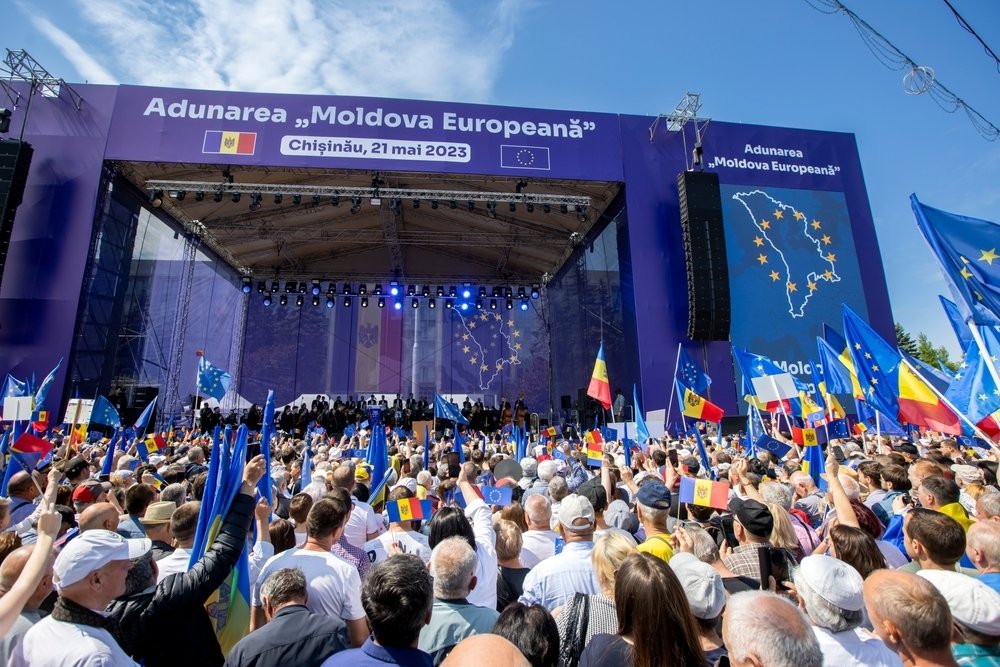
15 159
704 255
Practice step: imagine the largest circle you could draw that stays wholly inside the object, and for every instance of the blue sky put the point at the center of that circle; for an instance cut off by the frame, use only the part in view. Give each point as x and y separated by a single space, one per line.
773 62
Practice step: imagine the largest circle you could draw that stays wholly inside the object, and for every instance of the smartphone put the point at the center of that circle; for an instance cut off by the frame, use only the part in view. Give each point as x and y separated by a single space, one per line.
454 465
729 532
672 457
773 563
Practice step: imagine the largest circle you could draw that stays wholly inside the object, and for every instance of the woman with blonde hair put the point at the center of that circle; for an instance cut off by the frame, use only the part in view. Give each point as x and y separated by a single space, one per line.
783 533
587 615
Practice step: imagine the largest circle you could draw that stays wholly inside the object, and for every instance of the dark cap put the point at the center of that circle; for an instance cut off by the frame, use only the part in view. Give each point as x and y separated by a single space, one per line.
75 466
508 469
594 491
906 448
654 495
753 515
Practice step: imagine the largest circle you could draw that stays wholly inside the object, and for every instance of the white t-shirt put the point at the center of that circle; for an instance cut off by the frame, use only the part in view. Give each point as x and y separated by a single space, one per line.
536 546
175 563
334 585
410 542
854 648
55 643
361 523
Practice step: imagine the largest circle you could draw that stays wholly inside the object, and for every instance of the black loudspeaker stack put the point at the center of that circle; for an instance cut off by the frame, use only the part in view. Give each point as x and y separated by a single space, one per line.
705 255
15 158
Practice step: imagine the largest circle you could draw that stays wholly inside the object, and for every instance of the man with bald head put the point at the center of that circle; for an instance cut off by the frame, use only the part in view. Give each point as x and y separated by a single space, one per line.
99 516
910 616
983 549
539 541
10 570
761 629
486 650
22 492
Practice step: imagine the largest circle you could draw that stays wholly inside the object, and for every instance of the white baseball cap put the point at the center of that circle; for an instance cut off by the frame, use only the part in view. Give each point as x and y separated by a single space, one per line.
835 581
407 483
973 604
574 507
92 550
702 585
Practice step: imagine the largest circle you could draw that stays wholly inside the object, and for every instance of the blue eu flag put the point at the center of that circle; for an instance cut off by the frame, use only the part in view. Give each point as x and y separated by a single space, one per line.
691 374
213 381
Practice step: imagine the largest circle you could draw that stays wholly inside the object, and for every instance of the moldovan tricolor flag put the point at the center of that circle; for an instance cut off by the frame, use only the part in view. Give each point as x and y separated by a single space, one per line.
704 492
233 143
697 407
600 389
406 509
595 448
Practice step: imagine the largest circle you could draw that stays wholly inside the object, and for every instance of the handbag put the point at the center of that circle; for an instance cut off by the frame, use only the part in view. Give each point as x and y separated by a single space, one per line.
577 620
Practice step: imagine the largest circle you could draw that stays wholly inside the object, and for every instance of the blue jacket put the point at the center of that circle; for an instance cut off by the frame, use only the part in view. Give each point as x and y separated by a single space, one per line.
295 636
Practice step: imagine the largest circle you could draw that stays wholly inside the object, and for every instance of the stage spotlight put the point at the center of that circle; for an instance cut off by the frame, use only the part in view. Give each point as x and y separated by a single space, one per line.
236 197
296 200
452 292
315 200
181 194
524 304
493 304
530 207
448 303
466 293
347 288
347 302
261 287
432 303
491 209
329 302
513 207
453 204
465 306
581 213
267 299
536 291
217 197
278 199
363 289
299 300
246 285
381 302
411 290
335 201
414 303
331 288
255 201
302 287
563 208
434 204
394 288
440 290
497 292
416 203
283 300
156 198
426 291
472 205
291 286
364 302
316 301
546 208
520 292
274 286
508 292
315 287
479 304
394 206
482 292
378 289
397 305
510 304
199 196
355 204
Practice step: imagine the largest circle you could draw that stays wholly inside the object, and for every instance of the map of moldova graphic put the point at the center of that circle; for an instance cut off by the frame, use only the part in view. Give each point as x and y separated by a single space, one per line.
490 342
792 246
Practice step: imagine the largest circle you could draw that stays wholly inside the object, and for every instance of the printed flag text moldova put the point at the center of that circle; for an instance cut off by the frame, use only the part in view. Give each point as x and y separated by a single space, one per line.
704 492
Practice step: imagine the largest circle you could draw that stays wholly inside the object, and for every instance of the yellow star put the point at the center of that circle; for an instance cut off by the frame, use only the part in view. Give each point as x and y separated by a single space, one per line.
965 273
465 349
517 346
473 360
982 397
857 346
499 364
778 215
828 274
811 285
472 325
964 260
762 258
799 215
792 287
484 367
513 358
465 336
510 322
874 368
484 317
874 380
988 256
517 334
775 275
765 224
758 241
816 224
831 257
496 316
868 355
826 239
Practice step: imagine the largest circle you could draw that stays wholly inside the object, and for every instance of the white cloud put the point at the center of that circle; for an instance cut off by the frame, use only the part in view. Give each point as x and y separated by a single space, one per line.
89 69
411 48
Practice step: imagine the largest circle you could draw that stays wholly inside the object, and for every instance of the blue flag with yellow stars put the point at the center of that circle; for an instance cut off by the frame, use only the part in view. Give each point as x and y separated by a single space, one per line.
690 372
967 249
212 381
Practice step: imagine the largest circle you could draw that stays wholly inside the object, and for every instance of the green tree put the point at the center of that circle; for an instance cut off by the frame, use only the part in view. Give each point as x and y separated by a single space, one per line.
930 354
905 341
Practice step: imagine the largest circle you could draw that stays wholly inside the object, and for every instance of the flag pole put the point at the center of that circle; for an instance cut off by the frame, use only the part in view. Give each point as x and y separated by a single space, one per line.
670 405
72 428
951 407
677 390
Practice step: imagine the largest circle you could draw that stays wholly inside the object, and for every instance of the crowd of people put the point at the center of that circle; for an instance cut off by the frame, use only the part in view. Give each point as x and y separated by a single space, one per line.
890 557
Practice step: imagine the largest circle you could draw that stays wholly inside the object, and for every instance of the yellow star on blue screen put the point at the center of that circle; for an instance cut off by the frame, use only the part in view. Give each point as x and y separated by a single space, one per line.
988 256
